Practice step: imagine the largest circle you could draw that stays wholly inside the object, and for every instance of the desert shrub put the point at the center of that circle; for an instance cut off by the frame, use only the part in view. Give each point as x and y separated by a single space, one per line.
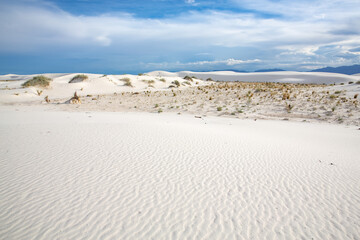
219 109
160 110
337 92
209 79
162 80
289 107
41 81
149 81
176 82
78 78
188 78
127 82
358 82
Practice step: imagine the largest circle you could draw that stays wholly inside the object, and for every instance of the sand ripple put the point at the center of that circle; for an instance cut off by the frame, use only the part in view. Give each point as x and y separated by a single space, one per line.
143 176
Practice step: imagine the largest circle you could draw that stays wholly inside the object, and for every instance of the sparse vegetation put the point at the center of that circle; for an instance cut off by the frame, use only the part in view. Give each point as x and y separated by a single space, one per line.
127 82
289 107
177 83
149 81
219 109
40 81
188 78
78 78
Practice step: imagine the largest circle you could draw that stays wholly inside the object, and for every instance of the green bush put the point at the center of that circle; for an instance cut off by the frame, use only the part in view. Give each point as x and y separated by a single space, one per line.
127 82
176 82
188 78
78 78
41 81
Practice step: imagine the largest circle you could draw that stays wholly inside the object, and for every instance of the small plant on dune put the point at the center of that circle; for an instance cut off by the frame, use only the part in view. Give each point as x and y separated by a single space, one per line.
41 81
351 82
285 96
356 95
177 83
219 109
162 80
156 105
39 92
140 74
337 92
127 82
358 82
188 78
333 109
149 81
78 78
289 107
160 110
209 79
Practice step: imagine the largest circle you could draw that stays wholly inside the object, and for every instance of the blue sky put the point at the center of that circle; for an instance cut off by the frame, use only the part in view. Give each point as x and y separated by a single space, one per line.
126 36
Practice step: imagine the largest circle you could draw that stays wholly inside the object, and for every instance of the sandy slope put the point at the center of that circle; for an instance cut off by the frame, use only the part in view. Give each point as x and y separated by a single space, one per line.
12 92
163 176
282 77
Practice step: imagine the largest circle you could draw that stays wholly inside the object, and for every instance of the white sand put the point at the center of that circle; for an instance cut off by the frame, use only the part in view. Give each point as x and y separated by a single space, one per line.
164 176
281 77
12 92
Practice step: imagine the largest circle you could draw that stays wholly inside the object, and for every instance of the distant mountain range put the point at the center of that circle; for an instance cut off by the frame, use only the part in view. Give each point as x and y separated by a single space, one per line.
354 69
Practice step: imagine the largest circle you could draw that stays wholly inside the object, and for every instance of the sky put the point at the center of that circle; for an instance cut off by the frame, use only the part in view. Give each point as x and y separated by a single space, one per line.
131 36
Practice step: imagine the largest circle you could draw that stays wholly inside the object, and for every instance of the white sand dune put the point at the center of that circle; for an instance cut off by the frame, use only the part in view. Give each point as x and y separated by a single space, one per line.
283 76
11 90
148 176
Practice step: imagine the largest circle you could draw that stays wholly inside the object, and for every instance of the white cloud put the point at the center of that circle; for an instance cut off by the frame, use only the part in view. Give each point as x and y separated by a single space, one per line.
306 28
228 62
220 63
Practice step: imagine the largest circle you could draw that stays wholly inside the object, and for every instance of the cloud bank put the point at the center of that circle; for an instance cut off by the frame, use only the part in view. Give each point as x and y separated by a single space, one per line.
295 35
